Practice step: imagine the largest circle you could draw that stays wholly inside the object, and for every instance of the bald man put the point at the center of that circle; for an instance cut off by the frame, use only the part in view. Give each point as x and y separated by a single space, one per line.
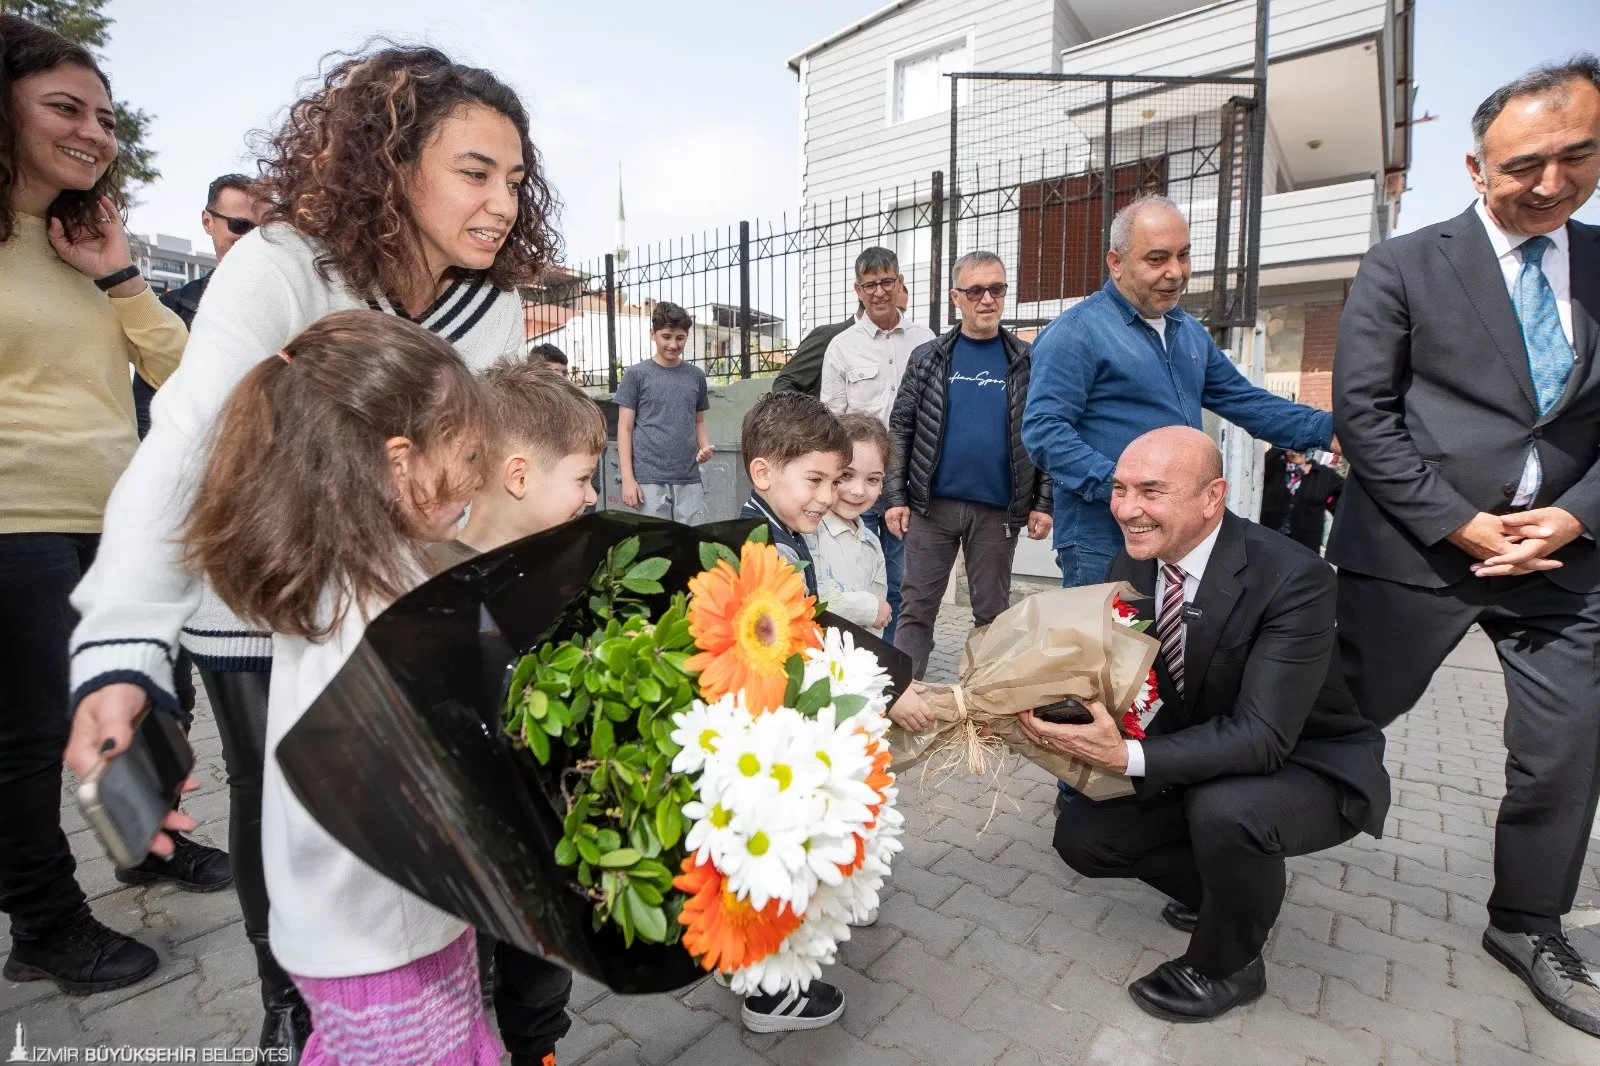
1257 752
1128 360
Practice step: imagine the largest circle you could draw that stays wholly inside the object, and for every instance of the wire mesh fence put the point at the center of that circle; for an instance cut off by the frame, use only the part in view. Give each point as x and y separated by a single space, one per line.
1040 165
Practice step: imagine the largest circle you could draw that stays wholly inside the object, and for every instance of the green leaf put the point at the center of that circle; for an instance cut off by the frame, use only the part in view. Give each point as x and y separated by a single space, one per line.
598 605
708 555
553 724
585 875
642 586
669 824
649 570
649 690
566 852
589 850
620 858
537 741
608 839
617 712
647 892
759 535
567 659
575 817
815 698
624 554
795 667
538 705
650 921
519 680
650 870
604 739
849 704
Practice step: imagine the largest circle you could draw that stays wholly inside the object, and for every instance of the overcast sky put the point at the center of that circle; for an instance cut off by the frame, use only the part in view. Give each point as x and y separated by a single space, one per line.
692 98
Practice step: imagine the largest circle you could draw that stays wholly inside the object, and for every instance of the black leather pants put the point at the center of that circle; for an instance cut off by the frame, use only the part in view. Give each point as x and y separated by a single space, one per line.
239 702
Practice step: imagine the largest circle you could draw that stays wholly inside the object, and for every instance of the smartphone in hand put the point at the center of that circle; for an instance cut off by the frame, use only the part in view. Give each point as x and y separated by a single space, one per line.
1064 712
127 796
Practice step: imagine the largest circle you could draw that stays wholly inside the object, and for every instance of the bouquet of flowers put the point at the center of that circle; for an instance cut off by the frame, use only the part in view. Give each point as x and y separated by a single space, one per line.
627 745
1078 643
729 739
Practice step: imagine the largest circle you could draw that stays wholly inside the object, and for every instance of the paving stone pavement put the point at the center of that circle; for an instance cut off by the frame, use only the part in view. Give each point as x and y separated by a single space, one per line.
990 950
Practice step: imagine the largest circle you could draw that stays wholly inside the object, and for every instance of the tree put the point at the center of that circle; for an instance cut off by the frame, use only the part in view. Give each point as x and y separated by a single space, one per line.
82 22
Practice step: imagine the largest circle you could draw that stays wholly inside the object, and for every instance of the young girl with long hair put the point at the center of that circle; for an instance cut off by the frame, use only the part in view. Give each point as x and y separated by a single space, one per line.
335 462
74 316
402 182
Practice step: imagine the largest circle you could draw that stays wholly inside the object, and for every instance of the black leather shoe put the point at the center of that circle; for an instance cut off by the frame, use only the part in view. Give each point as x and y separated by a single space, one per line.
1179 917
82 957
1177 992
287 1024
192 868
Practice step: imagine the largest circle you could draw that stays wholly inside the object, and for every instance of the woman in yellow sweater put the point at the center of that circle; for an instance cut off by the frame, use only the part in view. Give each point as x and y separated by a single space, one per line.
74 314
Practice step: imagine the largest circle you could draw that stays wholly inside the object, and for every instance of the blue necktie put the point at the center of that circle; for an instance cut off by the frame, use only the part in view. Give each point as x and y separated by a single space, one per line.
1549 354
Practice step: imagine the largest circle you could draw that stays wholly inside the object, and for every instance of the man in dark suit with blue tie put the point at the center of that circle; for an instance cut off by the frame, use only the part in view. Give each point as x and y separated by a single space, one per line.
1468 404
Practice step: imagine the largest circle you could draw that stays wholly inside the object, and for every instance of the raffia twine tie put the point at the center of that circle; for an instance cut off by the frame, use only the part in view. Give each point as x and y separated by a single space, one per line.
964 744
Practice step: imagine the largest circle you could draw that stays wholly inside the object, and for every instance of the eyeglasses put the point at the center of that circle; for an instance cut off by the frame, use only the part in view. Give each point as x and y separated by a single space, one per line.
881 285
977 292
236 226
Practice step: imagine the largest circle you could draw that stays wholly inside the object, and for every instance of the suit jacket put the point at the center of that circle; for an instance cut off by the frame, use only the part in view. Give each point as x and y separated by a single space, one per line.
1317 495
1263 684
1434 406
803 371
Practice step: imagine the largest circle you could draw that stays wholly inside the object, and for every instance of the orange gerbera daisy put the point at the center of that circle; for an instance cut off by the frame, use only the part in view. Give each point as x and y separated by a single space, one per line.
724 932
747 623
848 868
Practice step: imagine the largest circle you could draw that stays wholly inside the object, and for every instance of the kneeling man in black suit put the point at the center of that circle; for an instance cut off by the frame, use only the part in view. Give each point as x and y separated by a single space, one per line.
1257 753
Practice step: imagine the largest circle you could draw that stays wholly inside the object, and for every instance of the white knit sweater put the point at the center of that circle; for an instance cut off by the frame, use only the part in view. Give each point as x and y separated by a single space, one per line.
137 596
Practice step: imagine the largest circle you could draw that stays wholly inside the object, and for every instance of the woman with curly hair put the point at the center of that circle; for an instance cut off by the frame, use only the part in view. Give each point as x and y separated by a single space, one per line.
405 183
74 314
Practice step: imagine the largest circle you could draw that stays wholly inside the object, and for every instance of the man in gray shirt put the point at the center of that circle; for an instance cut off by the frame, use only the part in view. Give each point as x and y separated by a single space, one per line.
661 425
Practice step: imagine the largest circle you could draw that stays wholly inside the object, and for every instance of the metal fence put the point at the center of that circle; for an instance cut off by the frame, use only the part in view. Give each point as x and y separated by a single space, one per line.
1035 183
1041 162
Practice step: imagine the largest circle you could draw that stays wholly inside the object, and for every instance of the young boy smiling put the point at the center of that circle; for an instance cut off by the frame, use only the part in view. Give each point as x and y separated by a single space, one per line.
548 438
796 450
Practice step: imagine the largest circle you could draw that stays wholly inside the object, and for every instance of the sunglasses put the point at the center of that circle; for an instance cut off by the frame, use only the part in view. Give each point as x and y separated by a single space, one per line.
977 292
236 226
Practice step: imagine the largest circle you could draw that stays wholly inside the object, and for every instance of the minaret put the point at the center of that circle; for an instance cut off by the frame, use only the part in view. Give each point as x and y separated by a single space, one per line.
622 223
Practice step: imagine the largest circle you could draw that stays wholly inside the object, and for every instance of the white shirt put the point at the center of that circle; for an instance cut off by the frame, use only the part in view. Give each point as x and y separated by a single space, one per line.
332 914
1557 268
863 365
1159 325
1193 566
852 578
138 595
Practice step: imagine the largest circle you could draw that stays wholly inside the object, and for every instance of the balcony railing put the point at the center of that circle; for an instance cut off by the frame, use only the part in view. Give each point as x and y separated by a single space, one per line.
1221 38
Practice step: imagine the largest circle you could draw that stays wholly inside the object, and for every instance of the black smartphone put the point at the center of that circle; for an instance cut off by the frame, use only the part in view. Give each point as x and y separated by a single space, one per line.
126 796
1064 712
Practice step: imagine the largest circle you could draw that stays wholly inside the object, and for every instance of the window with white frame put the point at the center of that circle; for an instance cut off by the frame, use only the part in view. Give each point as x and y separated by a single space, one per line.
918 84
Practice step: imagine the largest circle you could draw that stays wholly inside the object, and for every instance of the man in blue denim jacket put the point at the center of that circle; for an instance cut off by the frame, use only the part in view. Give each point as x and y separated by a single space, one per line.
1128 360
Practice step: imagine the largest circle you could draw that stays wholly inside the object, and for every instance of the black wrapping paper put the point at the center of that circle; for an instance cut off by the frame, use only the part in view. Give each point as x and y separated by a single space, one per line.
403 760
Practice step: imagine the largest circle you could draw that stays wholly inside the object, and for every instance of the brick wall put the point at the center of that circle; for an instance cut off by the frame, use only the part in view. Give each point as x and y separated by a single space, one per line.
1316 354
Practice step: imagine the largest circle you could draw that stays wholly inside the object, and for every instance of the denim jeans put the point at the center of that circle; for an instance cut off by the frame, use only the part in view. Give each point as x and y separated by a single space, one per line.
894 563
38 571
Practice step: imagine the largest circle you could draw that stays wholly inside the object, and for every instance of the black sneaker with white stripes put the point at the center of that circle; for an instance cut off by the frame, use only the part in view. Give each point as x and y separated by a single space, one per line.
819 1005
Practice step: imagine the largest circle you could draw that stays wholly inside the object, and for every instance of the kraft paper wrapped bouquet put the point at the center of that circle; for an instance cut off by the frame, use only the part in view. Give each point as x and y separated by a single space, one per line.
1079 643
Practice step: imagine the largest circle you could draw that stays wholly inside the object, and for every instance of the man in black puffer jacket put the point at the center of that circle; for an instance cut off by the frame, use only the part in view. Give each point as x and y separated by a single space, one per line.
960 477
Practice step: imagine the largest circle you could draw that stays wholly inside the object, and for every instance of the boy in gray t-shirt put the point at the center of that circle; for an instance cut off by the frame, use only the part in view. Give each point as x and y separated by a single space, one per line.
661 425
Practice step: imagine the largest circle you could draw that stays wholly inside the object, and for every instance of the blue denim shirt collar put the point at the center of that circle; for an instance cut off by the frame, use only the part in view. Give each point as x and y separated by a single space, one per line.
1131 313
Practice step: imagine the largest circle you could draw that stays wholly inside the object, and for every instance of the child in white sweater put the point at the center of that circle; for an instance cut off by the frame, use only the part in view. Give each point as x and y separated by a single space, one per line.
851 576
334 464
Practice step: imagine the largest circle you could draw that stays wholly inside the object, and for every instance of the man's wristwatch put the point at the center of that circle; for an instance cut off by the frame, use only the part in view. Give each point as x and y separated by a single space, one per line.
111 281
